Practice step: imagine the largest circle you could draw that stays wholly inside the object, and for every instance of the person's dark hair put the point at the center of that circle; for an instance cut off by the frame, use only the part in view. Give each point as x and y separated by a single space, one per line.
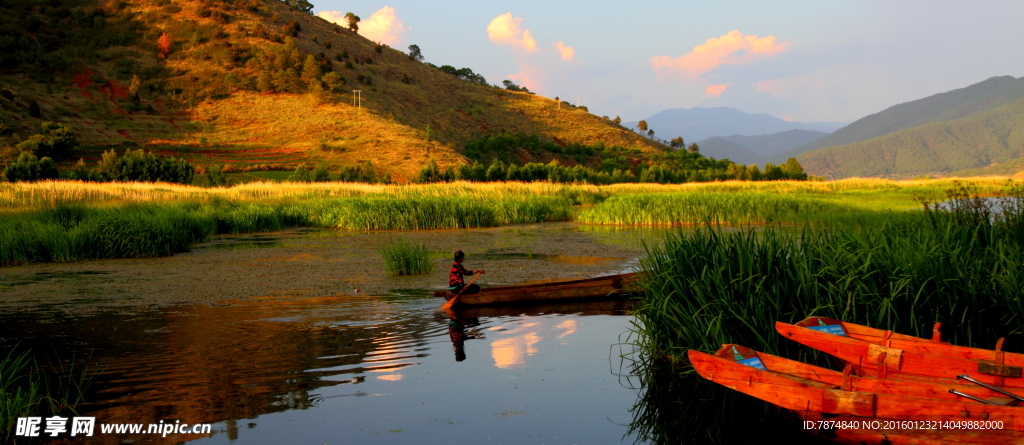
459 255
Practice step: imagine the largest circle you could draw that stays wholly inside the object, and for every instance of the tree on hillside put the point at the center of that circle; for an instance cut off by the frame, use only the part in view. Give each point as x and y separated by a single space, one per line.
650 133
311 71
353 22
54 140
694 148
677 142
415 54
164 44
301 5
617 120
642 125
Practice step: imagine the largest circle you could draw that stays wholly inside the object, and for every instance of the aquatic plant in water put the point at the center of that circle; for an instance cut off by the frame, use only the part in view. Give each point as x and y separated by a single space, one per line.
402 257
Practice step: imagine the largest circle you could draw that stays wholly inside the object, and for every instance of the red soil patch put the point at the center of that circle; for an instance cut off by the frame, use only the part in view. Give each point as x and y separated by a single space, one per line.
125 134
114 91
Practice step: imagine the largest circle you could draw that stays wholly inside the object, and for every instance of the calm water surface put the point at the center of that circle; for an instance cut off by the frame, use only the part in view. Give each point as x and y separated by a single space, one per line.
345 370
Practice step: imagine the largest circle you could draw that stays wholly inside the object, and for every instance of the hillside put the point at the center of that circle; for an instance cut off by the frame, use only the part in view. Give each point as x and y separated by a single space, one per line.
246 83
695 124
757 149
980 97
1011 168
980 140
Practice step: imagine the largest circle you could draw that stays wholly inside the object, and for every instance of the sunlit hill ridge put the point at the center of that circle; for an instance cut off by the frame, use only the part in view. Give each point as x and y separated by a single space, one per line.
249 83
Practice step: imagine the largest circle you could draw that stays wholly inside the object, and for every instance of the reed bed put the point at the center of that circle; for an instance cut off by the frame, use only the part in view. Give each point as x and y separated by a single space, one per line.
963 267
73 233
35 195
402 257
702 207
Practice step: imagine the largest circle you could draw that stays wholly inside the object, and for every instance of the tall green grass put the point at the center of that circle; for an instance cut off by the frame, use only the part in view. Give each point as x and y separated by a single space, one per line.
963 267
402 257
733 208
71 233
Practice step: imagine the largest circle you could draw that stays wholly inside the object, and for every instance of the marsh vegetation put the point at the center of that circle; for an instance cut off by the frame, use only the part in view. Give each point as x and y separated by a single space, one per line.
960 263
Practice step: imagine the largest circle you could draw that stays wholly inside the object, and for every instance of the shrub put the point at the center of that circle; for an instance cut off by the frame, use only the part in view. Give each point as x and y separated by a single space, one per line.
301 174
215 175
140 165
321 174
30 168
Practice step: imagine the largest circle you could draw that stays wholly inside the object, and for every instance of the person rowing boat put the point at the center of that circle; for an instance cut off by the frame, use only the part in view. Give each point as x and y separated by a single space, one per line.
456 277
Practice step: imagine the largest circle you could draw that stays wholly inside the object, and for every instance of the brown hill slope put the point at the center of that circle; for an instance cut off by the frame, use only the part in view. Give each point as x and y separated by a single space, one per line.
236 85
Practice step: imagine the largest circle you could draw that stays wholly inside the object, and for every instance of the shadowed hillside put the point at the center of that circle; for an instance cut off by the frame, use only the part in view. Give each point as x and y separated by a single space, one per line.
253 83
980 140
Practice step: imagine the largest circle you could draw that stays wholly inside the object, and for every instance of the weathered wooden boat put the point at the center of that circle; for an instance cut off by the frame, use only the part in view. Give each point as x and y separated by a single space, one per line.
600 287
886 353
875 410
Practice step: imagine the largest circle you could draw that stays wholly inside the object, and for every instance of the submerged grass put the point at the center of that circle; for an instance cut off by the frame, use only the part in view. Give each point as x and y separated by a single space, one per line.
963 267
402 257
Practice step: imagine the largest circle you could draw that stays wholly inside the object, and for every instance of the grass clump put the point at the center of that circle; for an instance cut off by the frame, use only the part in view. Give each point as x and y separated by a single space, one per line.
25 390
402 257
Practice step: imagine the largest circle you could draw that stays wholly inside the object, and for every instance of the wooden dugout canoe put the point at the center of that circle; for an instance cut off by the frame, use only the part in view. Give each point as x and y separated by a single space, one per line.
886 353
818 394
607 286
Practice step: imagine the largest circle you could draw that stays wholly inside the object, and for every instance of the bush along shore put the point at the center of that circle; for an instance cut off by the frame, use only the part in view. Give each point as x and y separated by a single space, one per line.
961 263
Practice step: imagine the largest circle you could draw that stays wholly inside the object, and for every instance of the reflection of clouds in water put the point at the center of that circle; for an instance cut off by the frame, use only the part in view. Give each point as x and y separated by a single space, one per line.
390 377
512 351
569 326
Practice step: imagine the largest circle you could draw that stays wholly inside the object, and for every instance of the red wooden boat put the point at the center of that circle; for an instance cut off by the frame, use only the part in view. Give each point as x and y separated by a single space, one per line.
885 353
600 287
876 410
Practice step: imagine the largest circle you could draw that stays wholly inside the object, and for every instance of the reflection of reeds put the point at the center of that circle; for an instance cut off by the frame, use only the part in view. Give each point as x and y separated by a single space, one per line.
25 390
402 257
711 287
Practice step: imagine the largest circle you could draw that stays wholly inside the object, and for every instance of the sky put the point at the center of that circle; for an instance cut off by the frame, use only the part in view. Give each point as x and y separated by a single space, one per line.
819 60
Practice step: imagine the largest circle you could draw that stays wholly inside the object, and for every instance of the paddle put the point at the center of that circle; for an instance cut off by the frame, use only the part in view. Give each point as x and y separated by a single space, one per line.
448 305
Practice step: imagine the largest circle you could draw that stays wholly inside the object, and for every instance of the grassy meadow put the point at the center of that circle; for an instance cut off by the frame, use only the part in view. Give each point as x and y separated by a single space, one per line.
70 221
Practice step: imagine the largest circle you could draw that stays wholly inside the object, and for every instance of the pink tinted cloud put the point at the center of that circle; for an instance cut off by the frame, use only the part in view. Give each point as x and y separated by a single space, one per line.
508 30
382 26
716 90
529 76
566 52
734 48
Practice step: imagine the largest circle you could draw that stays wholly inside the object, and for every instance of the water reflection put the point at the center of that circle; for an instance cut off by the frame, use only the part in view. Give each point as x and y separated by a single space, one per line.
281 366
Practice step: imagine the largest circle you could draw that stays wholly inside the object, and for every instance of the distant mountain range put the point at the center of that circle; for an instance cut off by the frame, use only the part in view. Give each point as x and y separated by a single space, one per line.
696 124
969 128
756 149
